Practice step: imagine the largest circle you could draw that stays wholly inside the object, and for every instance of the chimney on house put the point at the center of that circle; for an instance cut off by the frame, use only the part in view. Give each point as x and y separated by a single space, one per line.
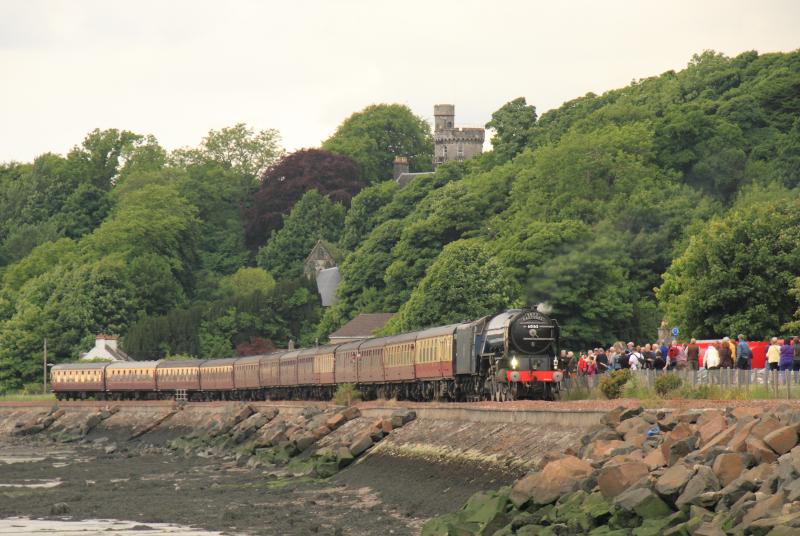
400 166
103 340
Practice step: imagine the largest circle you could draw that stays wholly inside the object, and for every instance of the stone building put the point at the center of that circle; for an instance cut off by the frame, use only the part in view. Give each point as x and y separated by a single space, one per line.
401 174
452 143
322 256
321 266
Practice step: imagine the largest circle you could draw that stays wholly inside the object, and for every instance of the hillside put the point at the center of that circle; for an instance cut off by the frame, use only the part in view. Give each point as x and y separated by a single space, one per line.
676 195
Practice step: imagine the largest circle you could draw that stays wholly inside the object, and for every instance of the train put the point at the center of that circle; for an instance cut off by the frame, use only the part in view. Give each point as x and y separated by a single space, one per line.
506 356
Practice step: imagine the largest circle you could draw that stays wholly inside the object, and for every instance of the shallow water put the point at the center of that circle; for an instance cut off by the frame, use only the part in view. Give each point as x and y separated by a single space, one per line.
23 525
38 483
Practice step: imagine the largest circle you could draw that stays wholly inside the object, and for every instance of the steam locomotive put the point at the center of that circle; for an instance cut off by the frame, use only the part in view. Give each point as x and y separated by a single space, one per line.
506 356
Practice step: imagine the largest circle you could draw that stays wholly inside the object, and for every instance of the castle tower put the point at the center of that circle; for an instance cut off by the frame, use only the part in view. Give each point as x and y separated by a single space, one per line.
444 116
451 143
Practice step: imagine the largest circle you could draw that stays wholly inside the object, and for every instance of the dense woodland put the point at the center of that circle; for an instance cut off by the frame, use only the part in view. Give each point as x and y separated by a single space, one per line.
675 197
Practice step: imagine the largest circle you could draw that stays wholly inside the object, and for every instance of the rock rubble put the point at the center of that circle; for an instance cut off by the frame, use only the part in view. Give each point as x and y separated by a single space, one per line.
647 473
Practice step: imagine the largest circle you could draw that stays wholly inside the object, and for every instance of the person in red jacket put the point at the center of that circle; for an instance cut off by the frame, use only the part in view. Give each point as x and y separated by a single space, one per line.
672 354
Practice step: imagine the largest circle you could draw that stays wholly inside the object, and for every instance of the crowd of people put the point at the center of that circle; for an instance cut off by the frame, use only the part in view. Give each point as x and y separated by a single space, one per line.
724 354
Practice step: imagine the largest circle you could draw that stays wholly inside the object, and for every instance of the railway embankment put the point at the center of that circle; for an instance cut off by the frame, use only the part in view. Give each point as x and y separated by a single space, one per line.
506 440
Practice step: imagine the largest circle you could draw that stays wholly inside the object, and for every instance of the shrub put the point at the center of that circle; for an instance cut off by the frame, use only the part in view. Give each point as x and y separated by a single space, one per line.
33 388
346 394
612 384
667 383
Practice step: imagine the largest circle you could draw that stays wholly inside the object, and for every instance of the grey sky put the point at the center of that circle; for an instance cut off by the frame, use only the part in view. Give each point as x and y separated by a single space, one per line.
177 69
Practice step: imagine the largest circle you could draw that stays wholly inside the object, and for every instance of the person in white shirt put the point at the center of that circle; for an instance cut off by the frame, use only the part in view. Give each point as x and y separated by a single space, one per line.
711 360
635 360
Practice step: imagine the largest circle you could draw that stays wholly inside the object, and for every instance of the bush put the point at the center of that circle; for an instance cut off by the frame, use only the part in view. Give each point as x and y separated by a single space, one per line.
33 388
346 394
667 383
612 384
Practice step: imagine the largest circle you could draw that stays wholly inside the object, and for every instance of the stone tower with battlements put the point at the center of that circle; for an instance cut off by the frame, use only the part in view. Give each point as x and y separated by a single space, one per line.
451 143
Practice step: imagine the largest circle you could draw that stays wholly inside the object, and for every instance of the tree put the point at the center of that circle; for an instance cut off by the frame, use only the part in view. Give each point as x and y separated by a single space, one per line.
513 124
287 181
374 136
735 274
465 282
314 217
590 292
97 161
246 281
239 148
363 215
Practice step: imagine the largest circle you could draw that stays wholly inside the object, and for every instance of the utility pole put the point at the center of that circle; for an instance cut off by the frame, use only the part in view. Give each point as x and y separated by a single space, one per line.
44 368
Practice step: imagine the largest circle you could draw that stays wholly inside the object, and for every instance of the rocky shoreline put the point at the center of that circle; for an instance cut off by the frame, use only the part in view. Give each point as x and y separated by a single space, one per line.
688 473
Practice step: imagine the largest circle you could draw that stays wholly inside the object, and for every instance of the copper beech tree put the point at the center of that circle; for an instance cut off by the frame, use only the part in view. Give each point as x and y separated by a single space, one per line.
283 184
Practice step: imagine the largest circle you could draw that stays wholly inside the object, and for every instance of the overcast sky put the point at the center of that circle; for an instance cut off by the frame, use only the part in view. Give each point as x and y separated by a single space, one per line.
176 69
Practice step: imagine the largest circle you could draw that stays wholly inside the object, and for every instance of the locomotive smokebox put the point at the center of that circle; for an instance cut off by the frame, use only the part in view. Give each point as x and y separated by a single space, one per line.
532 332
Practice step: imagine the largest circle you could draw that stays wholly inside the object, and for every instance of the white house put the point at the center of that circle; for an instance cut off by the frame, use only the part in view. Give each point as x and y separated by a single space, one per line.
105 347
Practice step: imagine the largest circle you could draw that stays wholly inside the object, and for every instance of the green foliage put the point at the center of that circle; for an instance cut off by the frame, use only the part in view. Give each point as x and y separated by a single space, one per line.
611 385
794 325
512 124
734 275
378 133
246 281
589 289
364 213
464 282
289 311
346 394
667 383
313 218
238 148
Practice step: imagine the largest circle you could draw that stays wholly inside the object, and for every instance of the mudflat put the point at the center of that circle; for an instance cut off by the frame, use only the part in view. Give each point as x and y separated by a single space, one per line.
379 495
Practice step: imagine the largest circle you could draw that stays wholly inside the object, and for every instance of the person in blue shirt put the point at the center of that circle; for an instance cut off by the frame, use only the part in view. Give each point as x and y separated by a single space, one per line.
744 356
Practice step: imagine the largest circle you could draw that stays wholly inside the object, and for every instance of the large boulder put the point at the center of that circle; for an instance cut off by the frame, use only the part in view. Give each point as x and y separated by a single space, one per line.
761 509
558 477
404 415
737 443
643 502
782 440
710 427
728 467
737 489
335 421
351 413
719 440
760 450
654 459
601 448
681 431
765 426
703 481
777 525
680 449
615 479
674 479
361 444
741 412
